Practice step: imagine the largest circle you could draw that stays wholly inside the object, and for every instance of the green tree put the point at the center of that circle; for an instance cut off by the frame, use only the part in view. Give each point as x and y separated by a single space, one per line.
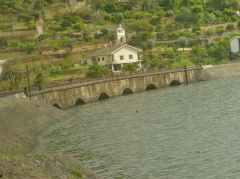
78 26
154 20
170 4
220 30
230 27
30 48
3 42
238 25
39 79
186 17
183 42
142 25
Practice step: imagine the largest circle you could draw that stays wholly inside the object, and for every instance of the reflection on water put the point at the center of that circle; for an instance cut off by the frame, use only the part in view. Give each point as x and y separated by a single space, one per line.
181 132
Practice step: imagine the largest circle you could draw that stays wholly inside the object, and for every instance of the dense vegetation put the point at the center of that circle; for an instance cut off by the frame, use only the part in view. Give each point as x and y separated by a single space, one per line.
172 33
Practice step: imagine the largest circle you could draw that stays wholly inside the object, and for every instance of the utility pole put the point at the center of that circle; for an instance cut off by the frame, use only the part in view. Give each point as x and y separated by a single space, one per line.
29 88
186 75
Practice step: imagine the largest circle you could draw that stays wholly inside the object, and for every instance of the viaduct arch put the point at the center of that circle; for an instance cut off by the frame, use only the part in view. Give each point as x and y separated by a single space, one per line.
69 95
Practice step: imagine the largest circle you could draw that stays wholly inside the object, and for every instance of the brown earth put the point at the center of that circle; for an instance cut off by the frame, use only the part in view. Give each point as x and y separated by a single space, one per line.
21 123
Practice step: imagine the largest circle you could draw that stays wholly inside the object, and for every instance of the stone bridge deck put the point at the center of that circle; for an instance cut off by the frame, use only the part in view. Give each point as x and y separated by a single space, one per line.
83 92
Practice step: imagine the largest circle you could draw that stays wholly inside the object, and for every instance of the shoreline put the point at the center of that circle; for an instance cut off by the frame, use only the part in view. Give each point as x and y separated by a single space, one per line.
22 123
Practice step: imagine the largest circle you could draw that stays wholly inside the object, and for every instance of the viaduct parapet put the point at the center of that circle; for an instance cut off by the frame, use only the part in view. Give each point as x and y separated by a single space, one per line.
81 93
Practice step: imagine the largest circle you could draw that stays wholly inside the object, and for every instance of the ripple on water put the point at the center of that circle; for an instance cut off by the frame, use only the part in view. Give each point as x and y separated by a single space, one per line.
182 132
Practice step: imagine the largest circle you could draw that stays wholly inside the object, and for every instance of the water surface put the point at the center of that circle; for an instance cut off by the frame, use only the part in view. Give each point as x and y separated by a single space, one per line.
181 132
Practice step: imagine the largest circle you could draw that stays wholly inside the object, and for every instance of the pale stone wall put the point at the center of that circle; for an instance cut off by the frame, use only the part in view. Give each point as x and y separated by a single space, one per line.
126 51
222 71
90 91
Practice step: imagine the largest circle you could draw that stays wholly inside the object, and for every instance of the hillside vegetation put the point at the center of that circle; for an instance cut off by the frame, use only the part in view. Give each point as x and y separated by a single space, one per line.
172 34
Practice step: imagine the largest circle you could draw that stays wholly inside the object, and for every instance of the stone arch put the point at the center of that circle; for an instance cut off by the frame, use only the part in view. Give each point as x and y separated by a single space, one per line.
56 105
79 101
151 87
175 83
103 96
127 91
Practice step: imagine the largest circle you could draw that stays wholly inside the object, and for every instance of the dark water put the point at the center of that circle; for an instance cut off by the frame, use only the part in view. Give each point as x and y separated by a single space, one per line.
181 132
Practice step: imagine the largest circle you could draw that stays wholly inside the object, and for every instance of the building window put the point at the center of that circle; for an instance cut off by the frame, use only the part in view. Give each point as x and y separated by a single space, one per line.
102 58
98 59
130 56
121 57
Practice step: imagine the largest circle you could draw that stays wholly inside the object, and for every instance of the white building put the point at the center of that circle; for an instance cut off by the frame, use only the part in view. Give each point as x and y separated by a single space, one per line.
2 62
121 34
114 57
235 44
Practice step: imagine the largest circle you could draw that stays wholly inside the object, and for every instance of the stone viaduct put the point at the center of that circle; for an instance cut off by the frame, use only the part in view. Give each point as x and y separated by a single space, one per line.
81 93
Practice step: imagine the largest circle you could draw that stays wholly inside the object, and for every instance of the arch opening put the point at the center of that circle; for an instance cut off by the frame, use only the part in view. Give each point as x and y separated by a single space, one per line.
80 101
175 83
127 91
151 87
56 106
103 96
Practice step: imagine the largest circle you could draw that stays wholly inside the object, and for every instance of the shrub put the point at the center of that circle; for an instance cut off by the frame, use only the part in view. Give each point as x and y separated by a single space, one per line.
154 20
39 79
187 34
220 30
55 27
55 69
14 43
230 27
66 64
220 53
130 67
154 62
209 61
30 48
3 42
172 35
169 27
197 9
209 32
235 34
238 25
148 45
31 25
25 17
78 26
117 18
183 42
234 18
84 13
97 71
183 61
161 36
110 7
5 26
158 28
77 173
196 28
142 25
141 36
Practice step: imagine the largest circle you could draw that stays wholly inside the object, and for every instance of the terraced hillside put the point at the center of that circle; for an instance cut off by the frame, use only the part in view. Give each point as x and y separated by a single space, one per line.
56 37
